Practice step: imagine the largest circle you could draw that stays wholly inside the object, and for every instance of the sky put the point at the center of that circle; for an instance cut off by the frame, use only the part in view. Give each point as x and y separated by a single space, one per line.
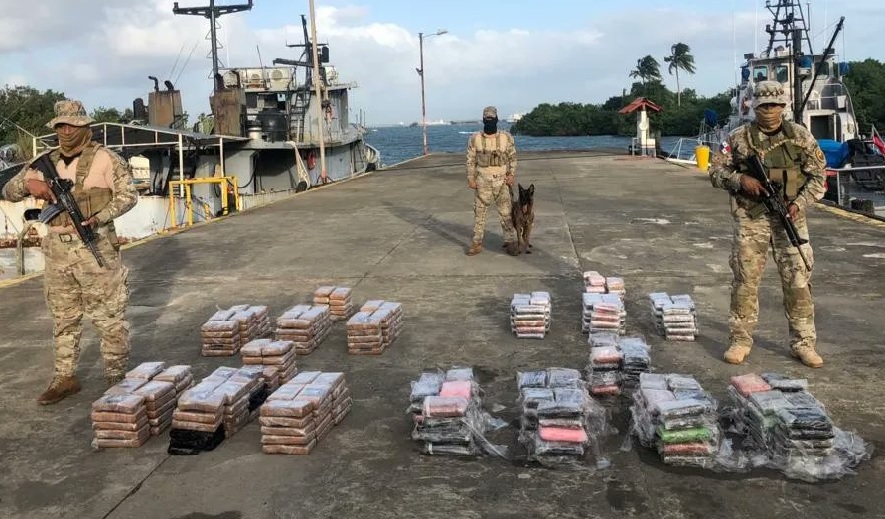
514 54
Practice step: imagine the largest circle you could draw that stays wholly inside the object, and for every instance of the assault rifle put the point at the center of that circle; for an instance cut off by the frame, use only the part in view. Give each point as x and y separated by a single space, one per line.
61 188
774 203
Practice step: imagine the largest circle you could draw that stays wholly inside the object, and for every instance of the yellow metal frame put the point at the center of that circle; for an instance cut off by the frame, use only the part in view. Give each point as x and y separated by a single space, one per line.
188 203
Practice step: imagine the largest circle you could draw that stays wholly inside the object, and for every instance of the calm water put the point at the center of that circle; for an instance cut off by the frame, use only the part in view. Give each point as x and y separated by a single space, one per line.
399 143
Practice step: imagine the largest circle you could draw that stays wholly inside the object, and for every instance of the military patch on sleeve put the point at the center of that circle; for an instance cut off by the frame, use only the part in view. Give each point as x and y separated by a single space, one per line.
819 153
725 148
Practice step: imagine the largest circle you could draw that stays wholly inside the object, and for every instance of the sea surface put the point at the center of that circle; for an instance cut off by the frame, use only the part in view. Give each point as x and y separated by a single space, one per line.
399 143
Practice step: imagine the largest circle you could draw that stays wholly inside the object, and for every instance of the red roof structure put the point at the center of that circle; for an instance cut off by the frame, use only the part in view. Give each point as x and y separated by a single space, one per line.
638 104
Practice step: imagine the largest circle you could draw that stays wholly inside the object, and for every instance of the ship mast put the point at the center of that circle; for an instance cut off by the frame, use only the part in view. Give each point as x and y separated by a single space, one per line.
791 30
212 12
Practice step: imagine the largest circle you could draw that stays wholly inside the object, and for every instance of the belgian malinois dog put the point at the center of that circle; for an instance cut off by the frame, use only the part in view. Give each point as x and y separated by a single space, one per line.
523 215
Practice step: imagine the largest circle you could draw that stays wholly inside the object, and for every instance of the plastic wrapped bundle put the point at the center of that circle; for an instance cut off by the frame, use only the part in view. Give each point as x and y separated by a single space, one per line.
157 387
304 325
636 360
616 285
390 314
216 408
276 360
530 315
227 330
556 415
594 282
603 313
615 363
371 330
786 424
160 401
339 299
673 414
446 409
119 420
675 316
302 411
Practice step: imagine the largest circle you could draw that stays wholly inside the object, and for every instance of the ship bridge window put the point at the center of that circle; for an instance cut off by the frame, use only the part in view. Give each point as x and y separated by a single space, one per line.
782 73
760 73
824 69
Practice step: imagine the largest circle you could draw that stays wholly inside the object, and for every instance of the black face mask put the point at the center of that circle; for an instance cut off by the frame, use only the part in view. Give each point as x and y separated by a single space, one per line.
489 126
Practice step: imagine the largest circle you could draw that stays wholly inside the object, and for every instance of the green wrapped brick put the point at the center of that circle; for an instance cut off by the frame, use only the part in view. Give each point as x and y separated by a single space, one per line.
695 434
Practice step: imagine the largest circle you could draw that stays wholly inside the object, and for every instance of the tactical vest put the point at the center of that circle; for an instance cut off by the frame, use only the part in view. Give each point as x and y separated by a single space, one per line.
91 200
486 157
782 161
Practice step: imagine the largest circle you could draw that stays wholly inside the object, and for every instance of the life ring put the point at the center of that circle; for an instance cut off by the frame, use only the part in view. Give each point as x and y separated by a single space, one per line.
311 160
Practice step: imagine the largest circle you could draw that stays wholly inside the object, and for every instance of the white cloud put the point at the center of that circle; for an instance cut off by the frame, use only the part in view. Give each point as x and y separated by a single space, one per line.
102 51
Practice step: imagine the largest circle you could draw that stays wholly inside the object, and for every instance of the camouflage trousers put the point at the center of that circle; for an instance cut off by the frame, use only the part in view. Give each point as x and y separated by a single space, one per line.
492 189
752 239
75 285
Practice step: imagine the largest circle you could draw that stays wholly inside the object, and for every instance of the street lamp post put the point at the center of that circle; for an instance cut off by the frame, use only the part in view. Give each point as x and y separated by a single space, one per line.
420 71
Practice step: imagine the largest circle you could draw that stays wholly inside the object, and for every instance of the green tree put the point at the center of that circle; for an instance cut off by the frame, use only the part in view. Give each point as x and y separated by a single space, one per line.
106 115
866 82
24 112
680 58
647 69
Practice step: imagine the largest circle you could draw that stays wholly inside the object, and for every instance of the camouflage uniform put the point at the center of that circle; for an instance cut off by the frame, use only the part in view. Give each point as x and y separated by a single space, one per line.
74 283
491 159
794 160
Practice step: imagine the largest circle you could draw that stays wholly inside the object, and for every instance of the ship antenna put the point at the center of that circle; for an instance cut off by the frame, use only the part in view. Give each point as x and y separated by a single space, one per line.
212 12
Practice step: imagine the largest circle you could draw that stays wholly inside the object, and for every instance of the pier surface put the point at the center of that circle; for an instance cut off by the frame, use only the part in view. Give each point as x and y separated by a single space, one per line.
400 235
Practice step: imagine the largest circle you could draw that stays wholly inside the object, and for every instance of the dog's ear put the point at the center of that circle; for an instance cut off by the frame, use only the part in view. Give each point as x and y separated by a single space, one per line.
519 186
531 189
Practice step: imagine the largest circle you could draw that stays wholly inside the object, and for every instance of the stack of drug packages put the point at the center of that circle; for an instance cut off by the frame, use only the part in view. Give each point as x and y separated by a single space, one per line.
616 363
374 327
675 316
559 419
603 313
791 428
674 414
305 325
216 408
227 330
596 283
447 412
275 358
139 406
339 299
530 315
303 411
781 416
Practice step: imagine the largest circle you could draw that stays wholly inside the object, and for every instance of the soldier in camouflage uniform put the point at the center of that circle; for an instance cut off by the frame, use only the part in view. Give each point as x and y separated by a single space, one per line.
491 170
74 284
795 163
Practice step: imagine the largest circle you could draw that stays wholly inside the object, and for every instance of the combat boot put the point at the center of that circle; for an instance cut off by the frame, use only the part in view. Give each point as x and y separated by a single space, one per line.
59 388
512 248
736 354
808 356
475 248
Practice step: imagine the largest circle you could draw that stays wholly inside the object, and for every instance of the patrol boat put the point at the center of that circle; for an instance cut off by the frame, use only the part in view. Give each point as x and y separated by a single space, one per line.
818 100
273 131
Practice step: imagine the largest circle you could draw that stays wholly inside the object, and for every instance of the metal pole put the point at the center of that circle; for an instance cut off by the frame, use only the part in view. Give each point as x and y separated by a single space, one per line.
316 85
221 154
181 163
423 105
214 43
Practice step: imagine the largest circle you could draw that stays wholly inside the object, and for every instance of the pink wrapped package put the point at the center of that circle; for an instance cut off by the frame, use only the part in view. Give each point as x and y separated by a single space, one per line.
749 384
444 406
461 388
563 434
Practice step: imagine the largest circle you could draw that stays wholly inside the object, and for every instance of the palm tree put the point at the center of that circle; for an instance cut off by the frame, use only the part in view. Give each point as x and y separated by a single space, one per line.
647 69
680 58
